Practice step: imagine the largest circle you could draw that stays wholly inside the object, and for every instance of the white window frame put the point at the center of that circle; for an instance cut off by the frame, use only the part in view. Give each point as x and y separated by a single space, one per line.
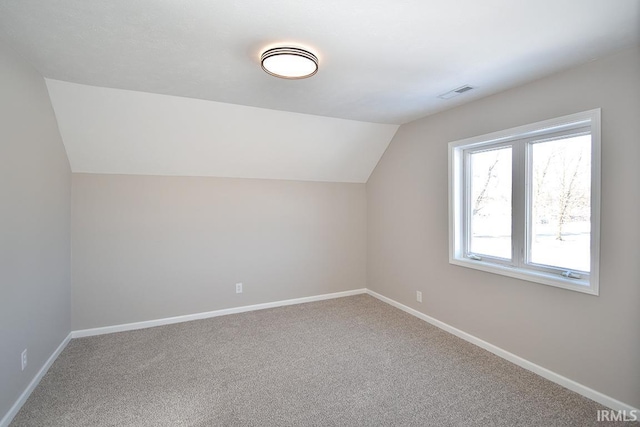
519 267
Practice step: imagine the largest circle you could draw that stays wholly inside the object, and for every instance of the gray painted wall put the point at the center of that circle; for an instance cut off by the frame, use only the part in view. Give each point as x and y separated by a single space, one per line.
153 247
592 340
35 253
149 247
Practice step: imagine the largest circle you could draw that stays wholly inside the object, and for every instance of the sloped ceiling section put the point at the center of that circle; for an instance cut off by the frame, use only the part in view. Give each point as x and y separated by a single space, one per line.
116 131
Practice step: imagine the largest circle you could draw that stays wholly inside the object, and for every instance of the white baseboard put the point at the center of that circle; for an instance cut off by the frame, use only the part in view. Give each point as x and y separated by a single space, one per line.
543 372
590 393
158 322
208 314
6 420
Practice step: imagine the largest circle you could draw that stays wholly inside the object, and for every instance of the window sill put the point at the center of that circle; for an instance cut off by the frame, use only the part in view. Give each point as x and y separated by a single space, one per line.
578 285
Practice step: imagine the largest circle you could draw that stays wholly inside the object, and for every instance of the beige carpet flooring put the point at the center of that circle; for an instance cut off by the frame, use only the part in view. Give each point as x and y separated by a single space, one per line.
351 361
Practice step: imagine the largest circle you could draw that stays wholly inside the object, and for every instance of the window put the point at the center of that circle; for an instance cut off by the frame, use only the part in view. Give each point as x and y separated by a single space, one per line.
525 202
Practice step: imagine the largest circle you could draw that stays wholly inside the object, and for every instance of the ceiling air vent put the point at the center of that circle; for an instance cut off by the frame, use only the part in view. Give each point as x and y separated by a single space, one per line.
455 92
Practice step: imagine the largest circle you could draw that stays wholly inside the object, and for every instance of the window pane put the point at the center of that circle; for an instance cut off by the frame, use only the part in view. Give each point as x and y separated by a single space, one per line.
560 223
490 203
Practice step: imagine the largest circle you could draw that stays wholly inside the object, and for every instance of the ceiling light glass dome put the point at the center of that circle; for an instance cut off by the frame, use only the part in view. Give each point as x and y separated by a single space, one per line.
289 63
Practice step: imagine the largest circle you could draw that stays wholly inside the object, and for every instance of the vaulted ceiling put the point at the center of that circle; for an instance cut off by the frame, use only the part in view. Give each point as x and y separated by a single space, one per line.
123 132
382 63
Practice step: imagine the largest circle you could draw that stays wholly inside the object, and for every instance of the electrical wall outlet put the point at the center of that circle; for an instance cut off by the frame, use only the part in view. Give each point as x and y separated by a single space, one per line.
418 296
23 359
238 288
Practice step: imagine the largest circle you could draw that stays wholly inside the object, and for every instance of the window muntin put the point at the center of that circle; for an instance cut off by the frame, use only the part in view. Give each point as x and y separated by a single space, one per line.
525 202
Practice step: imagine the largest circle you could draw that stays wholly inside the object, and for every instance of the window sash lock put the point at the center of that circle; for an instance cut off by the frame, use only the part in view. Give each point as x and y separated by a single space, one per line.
571 275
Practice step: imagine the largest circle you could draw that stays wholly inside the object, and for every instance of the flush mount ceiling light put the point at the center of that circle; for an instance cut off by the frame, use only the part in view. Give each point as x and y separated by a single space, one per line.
289 63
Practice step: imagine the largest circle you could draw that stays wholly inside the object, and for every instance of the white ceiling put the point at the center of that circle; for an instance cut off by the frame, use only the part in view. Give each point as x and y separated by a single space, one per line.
124 132
167 87
381 61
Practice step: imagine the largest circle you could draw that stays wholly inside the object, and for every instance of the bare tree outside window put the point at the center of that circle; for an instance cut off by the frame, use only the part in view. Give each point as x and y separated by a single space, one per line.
483 196
561 202
491 196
